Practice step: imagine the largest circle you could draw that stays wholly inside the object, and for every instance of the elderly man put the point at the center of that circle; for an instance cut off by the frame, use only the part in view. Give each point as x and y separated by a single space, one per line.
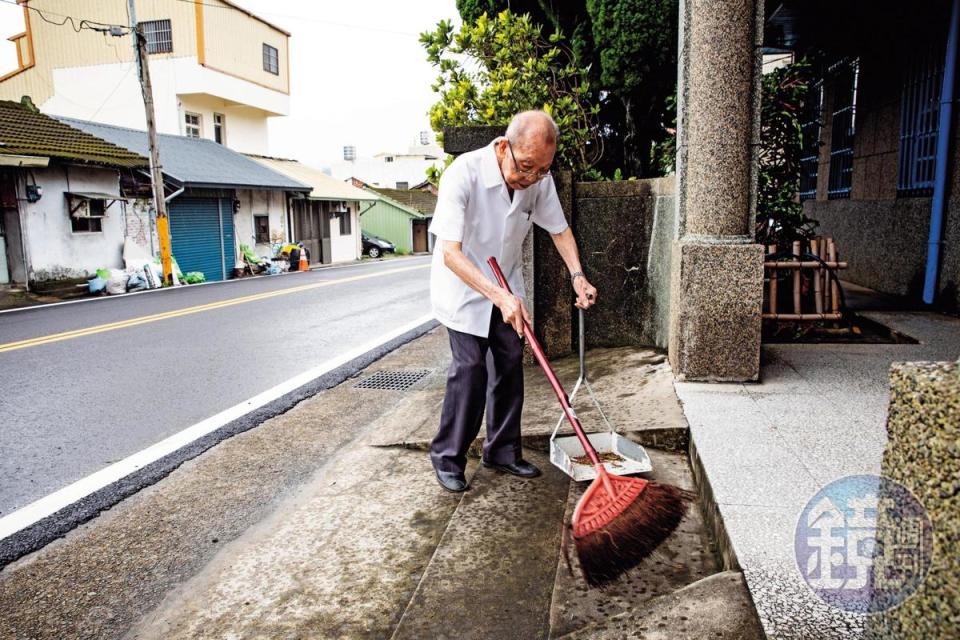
488 200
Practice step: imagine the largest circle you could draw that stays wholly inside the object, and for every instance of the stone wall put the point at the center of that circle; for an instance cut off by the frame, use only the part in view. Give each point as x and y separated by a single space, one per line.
922 454
624 231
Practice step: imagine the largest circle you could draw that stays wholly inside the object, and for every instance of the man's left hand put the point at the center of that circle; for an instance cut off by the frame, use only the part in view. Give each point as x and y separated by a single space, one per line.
586 293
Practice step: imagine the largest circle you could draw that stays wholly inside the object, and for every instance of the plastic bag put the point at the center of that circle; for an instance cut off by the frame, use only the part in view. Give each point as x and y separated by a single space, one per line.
96 285
117 283
137 282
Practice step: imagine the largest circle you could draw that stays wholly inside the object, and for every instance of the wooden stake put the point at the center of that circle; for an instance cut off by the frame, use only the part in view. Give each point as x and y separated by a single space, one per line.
796 280
773 281
802 316
834 289
817 278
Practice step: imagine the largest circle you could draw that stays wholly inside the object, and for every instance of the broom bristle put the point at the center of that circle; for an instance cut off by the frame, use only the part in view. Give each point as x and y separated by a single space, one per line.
632 536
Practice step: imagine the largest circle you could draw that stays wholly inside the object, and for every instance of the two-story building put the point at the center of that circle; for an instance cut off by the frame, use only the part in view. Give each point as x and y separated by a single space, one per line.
218 71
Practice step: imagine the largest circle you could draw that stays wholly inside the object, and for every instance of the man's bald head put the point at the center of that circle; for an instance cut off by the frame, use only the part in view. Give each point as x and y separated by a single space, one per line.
533 128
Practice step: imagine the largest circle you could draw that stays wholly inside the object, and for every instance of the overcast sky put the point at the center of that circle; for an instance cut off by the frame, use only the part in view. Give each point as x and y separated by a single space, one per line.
358 72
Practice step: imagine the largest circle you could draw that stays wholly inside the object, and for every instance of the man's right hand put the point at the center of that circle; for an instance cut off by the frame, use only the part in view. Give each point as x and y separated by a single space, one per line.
513 311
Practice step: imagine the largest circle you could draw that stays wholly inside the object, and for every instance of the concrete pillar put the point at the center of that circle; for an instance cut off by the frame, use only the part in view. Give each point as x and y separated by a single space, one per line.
717 269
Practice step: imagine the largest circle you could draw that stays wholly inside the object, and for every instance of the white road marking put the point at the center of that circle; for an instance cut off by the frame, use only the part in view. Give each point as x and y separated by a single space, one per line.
48 505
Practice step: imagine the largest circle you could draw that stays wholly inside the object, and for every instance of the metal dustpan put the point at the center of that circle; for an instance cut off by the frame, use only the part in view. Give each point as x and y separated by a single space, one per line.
626 457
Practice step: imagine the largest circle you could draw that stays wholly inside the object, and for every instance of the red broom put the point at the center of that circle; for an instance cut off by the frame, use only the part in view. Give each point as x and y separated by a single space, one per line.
619 521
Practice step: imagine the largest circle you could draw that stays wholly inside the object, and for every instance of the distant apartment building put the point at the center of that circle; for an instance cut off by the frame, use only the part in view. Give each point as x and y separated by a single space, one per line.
218 71
389 169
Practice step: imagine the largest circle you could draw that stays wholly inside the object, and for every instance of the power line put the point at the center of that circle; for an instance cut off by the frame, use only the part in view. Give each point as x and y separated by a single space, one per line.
304 19
77 24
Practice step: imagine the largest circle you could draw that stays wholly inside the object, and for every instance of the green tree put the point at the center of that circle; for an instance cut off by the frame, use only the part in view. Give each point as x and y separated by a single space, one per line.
630 50
493 68
780 217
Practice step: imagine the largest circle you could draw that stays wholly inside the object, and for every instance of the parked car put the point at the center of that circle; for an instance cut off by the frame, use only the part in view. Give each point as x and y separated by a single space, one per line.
375 247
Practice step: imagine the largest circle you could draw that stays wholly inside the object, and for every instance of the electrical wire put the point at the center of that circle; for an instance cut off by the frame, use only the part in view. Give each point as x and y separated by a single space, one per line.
77 24
303 19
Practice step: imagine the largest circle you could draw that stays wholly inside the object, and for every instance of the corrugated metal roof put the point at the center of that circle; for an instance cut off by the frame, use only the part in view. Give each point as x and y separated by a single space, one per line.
29 133
195 162
324 187
423 201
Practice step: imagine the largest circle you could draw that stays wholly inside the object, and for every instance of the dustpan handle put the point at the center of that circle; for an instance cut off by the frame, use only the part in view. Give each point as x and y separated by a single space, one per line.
541 359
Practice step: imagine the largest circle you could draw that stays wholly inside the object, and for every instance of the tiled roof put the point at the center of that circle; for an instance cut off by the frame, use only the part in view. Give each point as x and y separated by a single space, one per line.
196 162
29 133
423 201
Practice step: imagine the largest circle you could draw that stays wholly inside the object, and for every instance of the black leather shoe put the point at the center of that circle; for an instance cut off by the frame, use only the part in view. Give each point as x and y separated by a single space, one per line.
454 482
520 468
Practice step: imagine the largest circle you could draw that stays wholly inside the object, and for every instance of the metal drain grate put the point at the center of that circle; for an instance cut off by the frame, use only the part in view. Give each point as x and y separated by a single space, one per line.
395 380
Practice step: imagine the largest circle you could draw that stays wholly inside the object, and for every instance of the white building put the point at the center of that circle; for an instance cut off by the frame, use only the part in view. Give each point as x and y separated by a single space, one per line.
218 71
393 170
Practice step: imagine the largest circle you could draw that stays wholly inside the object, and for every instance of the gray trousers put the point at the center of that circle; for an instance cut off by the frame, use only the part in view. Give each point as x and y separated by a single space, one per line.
484 371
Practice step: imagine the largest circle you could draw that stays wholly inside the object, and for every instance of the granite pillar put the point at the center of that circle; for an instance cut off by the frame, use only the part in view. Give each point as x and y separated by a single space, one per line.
717 268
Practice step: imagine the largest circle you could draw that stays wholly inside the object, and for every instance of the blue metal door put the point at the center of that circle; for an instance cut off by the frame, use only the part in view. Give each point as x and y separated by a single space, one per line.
201 231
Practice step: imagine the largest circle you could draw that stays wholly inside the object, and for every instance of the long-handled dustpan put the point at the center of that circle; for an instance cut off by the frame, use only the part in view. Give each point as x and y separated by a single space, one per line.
619 455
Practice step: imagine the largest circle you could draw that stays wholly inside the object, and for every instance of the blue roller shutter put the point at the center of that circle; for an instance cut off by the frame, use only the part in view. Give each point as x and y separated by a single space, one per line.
201 231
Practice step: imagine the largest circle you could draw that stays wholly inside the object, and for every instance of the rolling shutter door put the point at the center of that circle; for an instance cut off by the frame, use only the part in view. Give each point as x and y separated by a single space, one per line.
197 226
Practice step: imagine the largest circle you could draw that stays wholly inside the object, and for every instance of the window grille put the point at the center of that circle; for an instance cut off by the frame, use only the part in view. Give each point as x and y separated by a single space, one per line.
810 141
158 35
919 123
271 59
843 129
345 228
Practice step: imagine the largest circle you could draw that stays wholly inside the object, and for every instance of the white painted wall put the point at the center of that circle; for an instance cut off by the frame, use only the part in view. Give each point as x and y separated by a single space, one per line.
378 172
246 128
110 93
345 248
54 251
270 203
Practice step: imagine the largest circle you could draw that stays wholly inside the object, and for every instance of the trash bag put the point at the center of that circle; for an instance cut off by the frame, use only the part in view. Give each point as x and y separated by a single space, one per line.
96 285
117 283
137 282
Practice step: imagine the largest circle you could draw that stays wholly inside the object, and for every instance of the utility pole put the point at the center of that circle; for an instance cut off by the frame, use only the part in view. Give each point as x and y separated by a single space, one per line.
156 173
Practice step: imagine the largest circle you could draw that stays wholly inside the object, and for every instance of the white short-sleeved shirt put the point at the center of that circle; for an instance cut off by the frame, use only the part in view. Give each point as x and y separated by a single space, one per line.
474 208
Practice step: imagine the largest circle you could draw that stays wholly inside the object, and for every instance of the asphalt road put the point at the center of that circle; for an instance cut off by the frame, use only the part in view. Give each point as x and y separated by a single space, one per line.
73 404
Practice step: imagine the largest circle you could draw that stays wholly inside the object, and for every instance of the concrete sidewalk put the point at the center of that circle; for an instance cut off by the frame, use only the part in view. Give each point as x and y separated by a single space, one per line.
819 414
327 521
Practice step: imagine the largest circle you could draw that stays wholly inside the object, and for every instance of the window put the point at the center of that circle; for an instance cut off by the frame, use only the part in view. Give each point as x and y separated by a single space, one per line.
158 35
90 218
261 228
919 123
345 223
403 185
271 59
388 159
810 141
843 128
220 128
191 125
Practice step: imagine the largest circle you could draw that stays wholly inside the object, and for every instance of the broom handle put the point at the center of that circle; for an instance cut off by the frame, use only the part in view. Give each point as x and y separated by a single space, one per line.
548 370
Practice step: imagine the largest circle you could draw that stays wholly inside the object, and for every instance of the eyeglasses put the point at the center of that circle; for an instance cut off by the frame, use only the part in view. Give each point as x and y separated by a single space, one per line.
536 175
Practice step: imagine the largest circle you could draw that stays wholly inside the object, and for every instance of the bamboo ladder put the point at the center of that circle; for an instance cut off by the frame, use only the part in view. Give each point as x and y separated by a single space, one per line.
825 292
